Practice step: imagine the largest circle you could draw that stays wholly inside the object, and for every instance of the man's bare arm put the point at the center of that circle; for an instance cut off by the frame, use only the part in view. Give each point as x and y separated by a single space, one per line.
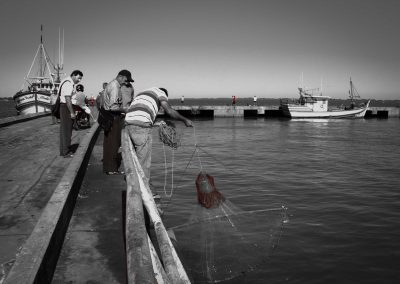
174 114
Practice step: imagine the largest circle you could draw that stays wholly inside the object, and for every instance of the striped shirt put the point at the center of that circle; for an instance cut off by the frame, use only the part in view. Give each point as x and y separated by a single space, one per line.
145 106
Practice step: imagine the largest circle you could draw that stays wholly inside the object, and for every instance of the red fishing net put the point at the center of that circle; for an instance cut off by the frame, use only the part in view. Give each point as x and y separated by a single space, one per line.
207 194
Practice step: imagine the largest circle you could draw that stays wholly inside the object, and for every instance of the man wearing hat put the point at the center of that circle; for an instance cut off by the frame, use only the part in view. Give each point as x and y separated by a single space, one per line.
113 105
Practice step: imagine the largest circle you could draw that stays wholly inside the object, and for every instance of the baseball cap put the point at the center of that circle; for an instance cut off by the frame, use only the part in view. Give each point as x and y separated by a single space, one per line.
127 74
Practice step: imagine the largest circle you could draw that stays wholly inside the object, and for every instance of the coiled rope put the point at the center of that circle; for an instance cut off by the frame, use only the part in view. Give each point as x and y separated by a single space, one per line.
169 137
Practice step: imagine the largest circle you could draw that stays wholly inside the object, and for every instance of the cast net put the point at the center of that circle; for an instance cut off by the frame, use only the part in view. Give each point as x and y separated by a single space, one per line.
207 194
218 241
223 242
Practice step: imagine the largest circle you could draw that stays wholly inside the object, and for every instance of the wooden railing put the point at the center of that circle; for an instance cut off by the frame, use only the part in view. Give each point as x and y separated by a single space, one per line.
143 263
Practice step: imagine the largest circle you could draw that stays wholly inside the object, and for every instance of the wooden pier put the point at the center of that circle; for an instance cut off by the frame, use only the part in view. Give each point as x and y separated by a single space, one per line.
50 209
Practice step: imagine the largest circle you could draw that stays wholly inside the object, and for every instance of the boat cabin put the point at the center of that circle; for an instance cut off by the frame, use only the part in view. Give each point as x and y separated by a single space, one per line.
314 102
41 86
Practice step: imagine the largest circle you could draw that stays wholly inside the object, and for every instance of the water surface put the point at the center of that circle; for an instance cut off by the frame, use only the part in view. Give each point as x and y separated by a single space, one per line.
338 178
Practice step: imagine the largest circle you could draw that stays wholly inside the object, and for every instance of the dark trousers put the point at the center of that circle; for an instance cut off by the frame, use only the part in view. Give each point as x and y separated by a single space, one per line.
111 144
65 129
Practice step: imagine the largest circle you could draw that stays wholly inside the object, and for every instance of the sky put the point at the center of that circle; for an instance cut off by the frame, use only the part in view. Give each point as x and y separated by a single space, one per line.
211 48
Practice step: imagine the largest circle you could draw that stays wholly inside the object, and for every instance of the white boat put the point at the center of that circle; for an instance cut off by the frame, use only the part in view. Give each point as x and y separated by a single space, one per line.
311 105
34 95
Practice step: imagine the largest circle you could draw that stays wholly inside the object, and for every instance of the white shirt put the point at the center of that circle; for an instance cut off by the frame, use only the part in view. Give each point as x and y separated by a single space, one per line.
66 89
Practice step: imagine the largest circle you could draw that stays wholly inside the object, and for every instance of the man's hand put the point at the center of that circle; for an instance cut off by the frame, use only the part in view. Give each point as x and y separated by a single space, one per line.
188 123
73 115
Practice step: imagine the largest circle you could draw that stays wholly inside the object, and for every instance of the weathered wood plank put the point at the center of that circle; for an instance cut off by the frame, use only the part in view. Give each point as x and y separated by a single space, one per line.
139 260
172 264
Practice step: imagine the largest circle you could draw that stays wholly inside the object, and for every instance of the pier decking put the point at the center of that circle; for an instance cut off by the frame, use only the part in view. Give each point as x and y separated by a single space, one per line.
42 192
31 171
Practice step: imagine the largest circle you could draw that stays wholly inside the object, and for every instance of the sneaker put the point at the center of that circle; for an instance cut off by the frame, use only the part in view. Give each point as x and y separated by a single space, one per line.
156 197
69 156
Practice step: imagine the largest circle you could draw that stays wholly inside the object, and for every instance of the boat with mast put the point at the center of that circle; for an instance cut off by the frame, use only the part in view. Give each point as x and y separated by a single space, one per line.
42 80
312 104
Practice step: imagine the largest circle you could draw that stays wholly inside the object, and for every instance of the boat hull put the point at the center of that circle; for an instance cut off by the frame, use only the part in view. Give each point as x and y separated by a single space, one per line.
32 102
296 111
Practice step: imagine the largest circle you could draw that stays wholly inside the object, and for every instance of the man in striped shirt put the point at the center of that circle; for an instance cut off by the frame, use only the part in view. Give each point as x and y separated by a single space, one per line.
140 118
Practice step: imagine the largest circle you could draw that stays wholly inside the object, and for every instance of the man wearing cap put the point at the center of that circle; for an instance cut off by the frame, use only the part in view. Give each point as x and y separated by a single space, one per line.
112 103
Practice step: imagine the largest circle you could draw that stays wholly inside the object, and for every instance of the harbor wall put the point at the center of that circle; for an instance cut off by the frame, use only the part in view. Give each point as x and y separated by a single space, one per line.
264 111
382 112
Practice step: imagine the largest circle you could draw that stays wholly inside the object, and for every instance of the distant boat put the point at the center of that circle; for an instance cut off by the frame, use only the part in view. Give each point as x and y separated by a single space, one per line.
312 105
35 93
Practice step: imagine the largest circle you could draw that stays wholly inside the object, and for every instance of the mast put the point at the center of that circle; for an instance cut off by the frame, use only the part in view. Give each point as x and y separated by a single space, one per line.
60 64
41 67
351 89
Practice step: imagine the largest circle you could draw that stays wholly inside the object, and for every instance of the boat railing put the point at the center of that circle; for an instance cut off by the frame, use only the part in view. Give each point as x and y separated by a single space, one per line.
284 101
143 262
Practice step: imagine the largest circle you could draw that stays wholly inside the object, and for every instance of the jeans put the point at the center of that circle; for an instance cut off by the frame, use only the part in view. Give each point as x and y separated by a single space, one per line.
142 141
111 144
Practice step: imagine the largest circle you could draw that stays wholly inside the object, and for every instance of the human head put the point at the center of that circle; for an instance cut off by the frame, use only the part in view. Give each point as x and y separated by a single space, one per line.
124 76
105 85
76 76
164 90
79 88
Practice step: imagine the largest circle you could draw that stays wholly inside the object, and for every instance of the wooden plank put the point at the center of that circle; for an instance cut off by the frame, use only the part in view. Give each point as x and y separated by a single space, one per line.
139 260
172 264
159 271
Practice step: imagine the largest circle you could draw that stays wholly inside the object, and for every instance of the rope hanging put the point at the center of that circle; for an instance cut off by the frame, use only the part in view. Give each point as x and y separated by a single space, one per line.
207 194
168 135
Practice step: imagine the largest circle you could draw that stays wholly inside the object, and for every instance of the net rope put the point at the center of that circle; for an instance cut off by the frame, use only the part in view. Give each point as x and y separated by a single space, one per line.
169 137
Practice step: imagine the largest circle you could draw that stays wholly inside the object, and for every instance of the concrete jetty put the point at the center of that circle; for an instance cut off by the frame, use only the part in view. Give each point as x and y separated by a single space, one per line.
31 170
264 111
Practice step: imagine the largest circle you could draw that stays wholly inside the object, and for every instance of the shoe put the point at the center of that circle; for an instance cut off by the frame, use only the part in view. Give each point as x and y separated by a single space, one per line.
156 197
68 155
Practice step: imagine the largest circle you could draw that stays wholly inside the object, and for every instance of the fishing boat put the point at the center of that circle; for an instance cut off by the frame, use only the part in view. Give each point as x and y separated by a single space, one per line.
42 80
312 104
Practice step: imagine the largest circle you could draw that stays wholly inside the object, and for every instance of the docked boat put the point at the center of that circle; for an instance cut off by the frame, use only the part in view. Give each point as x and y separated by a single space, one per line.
42 80
312 104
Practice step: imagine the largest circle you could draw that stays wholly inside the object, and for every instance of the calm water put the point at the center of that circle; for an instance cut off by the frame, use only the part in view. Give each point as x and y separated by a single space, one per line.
338 178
